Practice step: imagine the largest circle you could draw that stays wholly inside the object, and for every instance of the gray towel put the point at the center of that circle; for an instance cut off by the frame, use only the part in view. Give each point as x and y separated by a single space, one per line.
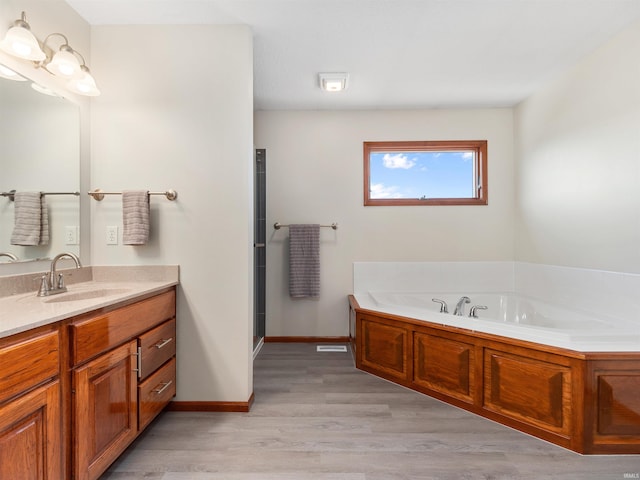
31 224
135 217
304 261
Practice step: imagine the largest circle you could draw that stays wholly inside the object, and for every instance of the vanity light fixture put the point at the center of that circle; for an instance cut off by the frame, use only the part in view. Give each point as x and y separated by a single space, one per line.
84 84
333 82
21 43
6 72
64 63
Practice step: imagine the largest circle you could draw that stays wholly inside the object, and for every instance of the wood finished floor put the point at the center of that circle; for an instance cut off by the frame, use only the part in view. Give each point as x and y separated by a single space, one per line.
316 417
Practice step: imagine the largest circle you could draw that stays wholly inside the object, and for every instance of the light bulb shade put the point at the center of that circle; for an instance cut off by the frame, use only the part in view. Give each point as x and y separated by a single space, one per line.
21 43
84 84
9 74
64 64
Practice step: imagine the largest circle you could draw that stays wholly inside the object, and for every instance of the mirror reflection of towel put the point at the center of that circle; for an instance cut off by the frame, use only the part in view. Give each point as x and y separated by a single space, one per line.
31 224
135 217
304 260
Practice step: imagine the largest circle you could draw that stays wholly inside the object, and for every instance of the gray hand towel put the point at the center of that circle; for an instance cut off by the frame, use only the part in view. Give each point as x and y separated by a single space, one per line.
304 261
31 224
135 217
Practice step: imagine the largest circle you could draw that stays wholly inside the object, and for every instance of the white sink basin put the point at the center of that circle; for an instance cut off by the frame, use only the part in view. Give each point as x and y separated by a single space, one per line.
85 295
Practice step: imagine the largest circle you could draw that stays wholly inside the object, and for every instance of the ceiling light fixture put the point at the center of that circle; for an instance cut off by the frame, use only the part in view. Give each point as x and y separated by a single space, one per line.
333 82
64 63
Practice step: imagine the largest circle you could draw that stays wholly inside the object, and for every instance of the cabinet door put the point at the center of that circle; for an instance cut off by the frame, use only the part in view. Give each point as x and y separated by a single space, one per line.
105 410
30 436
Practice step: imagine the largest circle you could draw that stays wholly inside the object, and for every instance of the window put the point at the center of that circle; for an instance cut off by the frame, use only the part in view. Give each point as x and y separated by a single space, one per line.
425 173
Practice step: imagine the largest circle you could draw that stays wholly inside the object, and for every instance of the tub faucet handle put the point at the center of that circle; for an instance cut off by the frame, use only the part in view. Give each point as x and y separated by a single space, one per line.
443 305
472 311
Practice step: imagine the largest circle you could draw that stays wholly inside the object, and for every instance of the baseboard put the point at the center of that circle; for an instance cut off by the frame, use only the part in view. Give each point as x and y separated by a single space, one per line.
211 406
306 339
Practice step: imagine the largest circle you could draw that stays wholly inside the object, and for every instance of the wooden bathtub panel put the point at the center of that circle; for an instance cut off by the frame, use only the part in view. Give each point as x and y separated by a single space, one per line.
385 349
530 390
444 365
588 402
619 404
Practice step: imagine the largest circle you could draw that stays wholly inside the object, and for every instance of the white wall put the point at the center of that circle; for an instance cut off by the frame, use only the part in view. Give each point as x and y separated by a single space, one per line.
315 175
578 172
176 111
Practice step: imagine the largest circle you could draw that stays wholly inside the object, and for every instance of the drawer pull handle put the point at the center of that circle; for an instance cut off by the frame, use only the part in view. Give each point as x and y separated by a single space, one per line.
162 343
159 389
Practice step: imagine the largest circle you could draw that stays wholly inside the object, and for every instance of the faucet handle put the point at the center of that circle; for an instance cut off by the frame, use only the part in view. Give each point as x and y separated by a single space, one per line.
443 305
60 282
472 311
44 286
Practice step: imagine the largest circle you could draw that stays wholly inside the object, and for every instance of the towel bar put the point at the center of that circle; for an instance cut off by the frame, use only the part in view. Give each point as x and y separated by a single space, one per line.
98 194
12 194
279 225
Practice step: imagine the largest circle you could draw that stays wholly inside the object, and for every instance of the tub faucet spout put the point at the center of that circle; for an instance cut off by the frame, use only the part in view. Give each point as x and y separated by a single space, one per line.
460 306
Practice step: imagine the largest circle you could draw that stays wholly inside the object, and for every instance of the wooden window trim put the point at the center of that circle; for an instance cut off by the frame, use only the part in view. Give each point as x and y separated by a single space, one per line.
478 146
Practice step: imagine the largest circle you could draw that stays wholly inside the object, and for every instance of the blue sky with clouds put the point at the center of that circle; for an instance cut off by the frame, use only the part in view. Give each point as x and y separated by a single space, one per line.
417 174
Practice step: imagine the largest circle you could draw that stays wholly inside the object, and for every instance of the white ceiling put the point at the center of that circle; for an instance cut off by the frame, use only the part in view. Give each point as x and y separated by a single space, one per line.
399 53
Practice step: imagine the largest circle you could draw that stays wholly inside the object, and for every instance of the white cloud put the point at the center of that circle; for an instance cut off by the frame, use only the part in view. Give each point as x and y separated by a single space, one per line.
397 161
378 190
467 155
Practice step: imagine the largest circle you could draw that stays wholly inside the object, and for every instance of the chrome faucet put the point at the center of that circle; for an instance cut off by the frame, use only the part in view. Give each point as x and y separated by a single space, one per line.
459 310
473 311
443 305
53 282
12 257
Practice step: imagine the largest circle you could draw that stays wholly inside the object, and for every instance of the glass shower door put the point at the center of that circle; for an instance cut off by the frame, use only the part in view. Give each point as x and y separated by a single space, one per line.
259 247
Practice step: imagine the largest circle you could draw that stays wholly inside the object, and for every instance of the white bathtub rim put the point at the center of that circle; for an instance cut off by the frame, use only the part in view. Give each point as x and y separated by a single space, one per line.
626 339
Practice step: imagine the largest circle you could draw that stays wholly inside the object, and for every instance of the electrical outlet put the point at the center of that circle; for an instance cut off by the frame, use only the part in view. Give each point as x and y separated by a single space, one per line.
71 235
112 235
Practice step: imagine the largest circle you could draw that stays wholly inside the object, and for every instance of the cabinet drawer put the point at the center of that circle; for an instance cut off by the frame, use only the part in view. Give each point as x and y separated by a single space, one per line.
28 363
99 333
156 392
156 347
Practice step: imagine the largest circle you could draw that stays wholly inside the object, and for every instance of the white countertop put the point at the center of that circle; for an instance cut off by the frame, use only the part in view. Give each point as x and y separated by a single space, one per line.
24 311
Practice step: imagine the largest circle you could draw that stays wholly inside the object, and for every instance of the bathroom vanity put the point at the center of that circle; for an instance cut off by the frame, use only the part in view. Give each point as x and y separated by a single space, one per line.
84 376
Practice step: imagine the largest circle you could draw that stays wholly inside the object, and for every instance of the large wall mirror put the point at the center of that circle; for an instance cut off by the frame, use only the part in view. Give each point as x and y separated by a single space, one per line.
39 152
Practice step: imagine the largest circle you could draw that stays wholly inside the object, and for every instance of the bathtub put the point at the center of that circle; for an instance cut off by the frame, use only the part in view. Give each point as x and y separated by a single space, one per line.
562 375
514 316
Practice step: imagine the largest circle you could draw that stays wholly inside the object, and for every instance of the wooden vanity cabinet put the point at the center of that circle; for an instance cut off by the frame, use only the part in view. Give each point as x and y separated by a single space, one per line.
123 375
30 406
